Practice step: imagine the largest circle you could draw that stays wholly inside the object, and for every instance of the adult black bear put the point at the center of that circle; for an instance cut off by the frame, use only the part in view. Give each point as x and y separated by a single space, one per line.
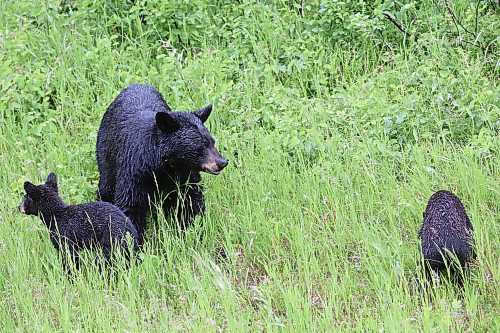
446 230
89 225
146 152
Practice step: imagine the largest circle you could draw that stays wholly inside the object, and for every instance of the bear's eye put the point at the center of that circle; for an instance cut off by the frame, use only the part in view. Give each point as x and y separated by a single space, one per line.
28 200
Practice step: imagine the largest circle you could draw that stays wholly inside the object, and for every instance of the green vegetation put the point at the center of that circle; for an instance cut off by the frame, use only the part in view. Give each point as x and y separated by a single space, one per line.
338 127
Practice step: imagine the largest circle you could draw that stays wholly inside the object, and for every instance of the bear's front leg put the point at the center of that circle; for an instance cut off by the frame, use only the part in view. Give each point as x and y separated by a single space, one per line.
69 250
185 204
138 217
192 205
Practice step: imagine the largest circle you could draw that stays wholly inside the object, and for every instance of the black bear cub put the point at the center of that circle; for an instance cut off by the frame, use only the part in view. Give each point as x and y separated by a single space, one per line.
75 227
146 153
446 230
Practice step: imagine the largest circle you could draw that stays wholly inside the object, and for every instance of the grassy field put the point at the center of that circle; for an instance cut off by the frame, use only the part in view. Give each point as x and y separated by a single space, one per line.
338 128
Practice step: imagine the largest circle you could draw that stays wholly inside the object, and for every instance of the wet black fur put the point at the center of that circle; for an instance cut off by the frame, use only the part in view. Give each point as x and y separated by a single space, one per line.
94 225
446 230
145 151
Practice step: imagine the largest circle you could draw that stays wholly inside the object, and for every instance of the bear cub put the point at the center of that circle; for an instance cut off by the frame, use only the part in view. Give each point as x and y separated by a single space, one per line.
148 153
446 230
76 227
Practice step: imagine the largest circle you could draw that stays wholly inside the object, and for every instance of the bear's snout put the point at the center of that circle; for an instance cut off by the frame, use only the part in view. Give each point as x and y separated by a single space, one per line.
214 162
22 208
222 163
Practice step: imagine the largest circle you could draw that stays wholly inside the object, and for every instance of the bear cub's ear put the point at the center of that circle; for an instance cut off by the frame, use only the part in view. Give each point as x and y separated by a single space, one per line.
166 123
29 188
204 113
52 181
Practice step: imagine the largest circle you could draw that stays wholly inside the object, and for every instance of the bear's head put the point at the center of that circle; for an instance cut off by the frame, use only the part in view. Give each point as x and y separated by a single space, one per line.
40 197
185 143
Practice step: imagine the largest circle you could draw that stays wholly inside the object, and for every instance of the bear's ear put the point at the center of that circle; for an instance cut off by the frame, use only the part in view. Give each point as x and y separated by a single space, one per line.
204 113
52 181
166 123
29 188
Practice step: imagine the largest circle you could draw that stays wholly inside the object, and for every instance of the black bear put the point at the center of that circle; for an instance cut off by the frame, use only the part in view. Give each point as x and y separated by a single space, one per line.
75 227
145 152
446 230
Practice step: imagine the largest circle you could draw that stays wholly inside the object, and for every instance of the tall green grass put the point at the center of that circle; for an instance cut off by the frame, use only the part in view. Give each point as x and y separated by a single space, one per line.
335 145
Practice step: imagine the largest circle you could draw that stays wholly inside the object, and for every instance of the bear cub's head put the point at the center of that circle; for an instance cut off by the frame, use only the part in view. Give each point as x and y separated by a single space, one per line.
186 144
39 197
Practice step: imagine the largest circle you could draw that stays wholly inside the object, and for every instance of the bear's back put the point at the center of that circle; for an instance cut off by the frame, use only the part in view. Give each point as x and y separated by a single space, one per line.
137 100
445 216
126 123
446 227
95 220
